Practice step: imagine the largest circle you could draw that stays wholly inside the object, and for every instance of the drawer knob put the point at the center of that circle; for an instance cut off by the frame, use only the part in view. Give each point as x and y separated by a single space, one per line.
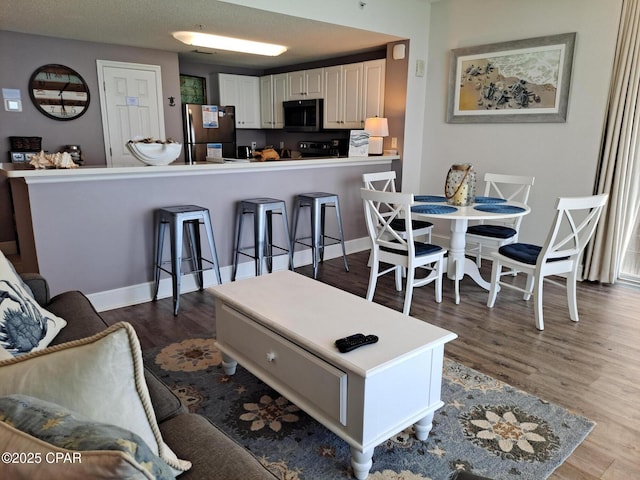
271 357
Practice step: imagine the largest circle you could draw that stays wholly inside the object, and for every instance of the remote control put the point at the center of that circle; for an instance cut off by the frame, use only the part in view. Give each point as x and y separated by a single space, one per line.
358 342
349 339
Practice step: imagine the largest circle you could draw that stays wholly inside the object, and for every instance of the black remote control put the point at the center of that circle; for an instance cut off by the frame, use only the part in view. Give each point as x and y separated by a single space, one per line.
348 340
347 346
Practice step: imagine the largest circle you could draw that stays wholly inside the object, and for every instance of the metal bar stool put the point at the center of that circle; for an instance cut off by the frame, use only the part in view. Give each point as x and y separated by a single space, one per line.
183 218
318 201
262 210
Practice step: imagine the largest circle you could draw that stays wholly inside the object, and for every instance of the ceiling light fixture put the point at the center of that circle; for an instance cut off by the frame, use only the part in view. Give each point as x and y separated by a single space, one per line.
228 43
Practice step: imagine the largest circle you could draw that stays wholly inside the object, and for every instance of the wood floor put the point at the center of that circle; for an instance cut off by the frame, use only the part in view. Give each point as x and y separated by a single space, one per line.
591 367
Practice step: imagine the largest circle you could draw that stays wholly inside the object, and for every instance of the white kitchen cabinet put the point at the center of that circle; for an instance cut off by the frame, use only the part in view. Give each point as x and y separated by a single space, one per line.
373 84
343 96
353 93
243 91
306 84
273 91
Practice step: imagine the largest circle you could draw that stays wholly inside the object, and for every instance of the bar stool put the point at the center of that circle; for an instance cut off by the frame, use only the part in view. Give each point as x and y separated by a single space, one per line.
262 210
318 201
183 218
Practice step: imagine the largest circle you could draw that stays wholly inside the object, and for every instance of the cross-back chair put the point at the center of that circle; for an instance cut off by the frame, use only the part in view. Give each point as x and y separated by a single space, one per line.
493 235
386 182
383 210
575 221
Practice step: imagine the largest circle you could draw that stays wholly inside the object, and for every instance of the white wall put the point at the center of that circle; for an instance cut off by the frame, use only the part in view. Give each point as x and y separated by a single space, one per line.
562 156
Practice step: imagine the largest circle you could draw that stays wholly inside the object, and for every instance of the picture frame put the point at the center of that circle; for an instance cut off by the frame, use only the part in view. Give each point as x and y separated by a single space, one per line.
193 89
511 82
358 143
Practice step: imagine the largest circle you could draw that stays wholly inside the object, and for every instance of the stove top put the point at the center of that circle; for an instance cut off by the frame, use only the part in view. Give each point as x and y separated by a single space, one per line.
318 149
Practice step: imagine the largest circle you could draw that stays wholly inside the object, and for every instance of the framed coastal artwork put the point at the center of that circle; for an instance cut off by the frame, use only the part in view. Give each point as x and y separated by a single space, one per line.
518 81
193 89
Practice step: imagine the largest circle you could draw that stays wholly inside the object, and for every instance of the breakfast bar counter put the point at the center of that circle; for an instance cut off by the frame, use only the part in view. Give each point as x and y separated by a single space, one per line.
91 228
32 175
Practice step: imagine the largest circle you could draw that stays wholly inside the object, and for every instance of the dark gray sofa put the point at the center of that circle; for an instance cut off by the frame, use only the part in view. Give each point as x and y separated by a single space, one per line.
192 437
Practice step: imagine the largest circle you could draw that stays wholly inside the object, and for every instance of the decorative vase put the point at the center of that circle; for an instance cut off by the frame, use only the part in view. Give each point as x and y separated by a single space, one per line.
460 186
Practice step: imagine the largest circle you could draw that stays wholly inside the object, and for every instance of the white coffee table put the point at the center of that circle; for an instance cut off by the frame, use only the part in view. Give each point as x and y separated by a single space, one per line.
282 328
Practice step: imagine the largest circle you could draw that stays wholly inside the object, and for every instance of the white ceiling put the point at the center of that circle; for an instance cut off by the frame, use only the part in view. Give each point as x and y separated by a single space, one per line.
149 23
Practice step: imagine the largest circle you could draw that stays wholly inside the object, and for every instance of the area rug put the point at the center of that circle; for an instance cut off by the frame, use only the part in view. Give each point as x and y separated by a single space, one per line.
485 427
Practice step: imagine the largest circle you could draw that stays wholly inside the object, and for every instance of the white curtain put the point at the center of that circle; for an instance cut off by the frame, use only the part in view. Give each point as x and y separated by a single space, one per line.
619 174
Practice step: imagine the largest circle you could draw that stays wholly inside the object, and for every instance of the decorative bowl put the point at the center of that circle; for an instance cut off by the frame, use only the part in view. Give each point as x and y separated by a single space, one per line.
155 153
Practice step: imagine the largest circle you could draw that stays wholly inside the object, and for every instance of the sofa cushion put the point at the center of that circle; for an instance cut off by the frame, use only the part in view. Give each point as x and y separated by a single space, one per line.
165 403
195 438
100 377
84 321
89 449
24 325
38 286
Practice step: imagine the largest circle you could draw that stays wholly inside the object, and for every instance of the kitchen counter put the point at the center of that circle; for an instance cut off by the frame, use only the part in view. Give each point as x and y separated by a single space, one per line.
91 228
31 175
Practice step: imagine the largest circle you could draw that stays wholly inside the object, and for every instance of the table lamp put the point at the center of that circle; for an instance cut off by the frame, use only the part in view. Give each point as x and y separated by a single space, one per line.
377 128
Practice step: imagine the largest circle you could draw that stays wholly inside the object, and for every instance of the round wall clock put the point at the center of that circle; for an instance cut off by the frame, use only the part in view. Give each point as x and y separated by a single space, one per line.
59 92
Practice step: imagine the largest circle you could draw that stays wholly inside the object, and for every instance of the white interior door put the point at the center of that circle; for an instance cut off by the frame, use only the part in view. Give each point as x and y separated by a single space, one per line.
131 106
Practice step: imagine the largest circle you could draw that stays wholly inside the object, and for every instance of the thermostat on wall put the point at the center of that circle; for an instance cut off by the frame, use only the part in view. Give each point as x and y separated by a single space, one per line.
12 100
12 105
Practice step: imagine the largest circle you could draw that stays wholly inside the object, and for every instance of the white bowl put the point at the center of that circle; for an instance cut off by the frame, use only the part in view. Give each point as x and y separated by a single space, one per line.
155 153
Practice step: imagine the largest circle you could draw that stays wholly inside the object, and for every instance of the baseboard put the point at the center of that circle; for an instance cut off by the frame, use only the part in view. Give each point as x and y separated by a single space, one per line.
9 248
141 293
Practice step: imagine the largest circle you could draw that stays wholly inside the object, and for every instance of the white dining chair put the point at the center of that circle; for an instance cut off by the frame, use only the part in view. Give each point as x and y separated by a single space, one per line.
513 188
575 221
386 182
403 252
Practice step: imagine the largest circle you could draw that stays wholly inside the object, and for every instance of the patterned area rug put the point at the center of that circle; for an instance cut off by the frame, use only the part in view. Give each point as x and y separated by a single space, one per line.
486 426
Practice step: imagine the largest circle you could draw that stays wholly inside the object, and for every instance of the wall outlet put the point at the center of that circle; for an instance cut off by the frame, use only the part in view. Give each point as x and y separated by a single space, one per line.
253 145
281 145
394 142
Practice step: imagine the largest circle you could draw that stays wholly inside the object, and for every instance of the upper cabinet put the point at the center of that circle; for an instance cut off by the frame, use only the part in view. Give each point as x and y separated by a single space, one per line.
243 91
273 91
373 75
352 93
306 84
343 96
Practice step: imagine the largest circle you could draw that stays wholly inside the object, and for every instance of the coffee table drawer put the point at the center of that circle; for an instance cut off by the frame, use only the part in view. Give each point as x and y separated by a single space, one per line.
307 378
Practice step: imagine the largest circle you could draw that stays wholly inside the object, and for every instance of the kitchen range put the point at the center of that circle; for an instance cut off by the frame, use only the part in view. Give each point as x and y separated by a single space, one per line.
331 148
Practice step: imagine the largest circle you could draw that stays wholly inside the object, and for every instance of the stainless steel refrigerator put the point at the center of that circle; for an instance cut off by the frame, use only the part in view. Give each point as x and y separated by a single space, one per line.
205 125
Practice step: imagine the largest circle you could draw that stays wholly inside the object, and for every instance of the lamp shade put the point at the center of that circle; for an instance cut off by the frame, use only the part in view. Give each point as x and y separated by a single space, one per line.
377 127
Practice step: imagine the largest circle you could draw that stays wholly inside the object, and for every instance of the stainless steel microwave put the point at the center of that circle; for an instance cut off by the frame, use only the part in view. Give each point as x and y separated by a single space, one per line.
303 115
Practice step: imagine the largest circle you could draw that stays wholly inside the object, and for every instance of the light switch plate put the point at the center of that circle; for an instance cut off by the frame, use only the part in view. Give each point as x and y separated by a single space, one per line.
419 68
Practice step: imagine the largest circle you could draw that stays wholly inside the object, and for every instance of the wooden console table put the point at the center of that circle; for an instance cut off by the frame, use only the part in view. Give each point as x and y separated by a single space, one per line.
282 328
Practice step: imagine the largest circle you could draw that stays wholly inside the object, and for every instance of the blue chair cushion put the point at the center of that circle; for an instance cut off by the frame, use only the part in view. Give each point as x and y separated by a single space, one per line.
398 224
421 249
525 253
521 252
495 231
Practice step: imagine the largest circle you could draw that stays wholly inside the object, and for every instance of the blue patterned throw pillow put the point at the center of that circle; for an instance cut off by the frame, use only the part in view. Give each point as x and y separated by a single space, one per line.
60 427
24 325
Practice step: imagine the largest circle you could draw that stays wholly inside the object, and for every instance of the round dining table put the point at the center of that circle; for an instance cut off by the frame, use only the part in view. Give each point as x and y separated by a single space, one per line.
484 208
